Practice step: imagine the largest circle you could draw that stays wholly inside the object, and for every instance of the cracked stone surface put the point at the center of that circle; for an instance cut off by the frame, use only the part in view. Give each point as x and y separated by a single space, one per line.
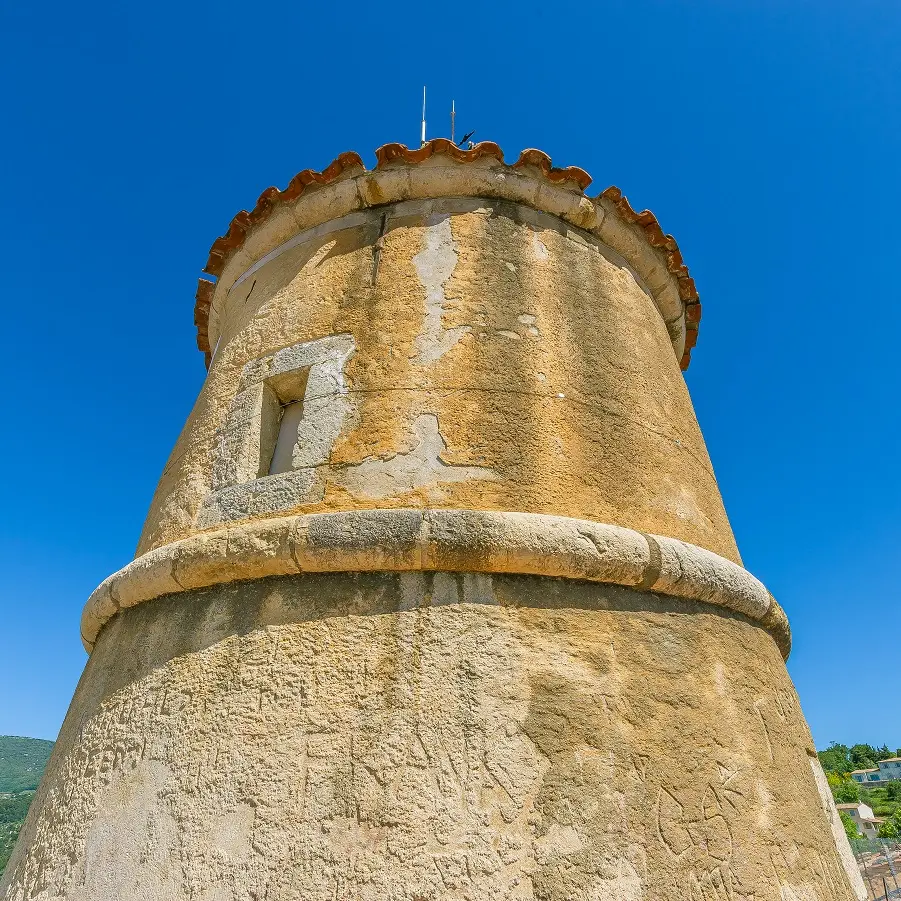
435 265
416 737
538 348
422 467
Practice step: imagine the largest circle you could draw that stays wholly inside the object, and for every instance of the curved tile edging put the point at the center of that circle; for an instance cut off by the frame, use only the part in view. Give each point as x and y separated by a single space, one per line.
635 232
405 540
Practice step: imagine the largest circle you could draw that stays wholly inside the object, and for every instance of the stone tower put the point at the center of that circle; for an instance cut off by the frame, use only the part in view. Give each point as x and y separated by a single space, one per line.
437 597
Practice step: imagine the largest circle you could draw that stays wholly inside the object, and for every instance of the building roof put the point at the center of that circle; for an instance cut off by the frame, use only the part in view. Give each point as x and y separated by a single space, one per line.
874 770
889 759
350 165
856 806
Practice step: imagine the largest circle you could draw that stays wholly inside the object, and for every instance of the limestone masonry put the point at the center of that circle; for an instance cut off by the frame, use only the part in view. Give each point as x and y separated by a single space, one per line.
437 597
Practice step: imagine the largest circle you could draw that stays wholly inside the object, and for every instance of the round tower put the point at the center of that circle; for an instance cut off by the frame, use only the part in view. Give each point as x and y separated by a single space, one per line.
437 597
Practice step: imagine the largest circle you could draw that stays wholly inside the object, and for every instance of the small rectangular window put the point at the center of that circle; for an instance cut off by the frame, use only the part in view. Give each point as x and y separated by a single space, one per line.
283 455
283 397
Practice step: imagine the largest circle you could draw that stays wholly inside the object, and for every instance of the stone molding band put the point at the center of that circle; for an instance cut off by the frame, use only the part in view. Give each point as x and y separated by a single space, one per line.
405 540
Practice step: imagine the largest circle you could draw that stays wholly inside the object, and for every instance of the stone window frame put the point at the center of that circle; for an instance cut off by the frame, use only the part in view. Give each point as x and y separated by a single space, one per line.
311 372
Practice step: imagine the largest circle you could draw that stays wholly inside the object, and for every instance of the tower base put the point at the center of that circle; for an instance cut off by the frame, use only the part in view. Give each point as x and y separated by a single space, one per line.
431 735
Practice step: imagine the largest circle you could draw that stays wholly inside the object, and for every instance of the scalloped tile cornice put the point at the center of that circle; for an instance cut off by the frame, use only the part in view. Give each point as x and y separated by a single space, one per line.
390 155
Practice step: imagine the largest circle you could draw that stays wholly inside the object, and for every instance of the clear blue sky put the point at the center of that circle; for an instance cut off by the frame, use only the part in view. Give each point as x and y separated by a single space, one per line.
765 135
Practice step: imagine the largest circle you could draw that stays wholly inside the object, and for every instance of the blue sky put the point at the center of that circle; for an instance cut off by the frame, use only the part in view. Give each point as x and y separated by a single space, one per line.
765 135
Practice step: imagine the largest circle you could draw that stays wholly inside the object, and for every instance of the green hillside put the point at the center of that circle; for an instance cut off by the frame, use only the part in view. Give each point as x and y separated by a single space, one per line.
22 762
12 814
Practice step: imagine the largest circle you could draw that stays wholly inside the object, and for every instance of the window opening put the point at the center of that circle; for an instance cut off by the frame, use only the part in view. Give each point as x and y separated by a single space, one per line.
283 455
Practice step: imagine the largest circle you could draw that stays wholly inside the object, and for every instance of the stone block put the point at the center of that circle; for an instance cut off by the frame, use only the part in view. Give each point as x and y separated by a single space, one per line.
148 576
364 540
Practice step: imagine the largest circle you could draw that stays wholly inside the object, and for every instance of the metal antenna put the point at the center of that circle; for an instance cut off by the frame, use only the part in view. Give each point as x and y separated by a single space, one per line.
453 116
423 114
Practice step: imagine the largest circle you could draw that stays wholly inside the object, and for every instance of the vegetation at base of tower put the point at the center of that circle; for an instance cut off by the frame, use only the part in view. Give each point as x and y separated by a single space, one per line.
891 828
12 814
22 762
844 789
848 823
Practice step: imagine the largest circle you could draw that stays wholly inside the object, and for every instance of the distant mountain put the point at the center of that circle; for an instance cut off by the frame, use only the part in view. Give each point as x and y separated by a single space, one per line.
22 762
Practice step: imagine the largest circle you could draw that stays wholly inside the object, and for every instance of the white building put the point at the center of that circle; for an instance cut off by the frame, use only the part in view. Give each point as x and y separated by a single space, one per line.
862 814
886 771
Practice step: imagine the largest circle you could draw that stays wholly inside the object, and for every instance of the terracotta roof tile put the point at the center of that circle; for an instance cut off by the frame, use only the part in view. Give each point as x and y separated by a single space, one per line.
393 153
656 238
237 229
202 301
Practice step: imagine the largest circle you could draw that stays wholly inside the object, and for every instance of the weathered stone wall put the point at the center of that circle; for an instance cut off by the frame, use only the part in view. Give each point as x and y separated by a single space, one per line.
430 736
492 357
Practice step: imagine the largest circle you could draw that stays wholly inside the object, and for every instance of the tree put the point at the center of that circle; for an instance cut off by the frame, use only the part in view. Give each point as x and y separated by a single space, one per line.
848 823
893 790
835 759
891 828
844 790
863 757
